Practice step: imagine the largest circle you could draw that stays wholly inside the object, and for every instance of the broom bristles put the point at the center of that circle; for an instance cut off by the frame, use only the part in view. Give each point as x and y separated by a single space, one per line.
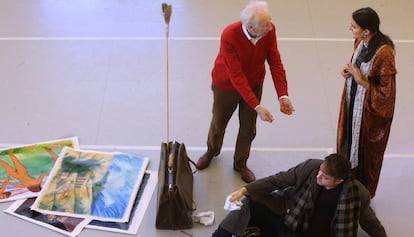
166 9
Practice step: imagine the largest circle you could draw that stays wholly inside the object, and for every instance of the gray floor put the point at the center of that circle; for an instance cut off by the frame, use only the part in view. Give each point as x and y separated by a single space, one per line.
96 69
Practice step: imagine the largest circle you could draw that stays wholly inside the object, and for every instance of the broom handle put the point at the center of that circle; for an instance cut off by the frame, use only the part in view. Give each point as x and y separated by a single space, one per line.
167 10
167 90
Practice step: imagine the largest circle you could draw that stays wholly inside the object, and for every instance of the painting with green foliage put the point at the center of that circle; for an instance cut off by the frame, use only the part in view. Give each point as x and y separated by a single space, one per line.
23 168
91 184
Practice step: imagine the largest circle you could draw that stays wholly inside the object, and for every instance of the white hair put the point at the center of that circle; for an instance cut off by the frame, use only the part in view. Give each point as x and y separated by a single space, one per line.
250 12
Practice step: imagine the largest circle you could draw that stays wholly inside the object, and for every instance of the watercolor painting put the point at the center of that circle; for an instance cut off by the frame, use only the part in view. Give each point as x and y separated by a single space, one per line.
23 169
69 226
90 184
142 200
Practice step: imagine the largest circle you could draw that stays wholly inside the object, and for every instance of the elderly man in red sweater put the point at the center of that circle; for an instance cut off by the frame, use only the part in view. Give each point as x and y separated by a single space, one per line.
238 75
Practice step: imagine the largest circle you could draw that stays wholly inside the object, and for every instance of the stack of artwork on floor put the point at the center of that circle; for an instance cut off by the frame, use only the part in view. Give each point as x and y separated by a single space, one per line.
57 185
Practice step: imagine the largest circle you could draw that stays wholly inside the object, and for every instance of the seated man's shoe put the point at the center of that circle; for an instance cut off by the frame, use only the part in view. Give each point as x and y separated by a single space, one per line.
204 161
246 174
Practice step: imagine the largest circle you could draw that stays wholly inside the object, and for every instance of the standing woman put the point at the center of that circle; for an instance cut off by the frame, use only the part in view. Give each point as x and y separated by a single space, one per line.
368 99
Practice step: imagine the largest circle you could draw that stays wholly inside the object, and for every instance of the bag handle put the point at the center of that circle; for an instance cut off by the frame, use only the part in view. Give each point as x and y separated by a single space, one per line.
194 164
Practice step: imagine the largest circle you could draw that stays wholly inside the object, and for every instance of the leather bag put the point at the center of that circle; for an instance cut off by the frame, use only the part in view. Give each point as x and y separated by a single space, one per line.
175 203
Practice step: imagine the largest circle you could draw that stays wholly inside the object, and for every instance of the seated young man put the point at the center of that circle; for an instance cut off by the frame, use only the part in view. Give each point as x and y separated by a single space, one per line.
317 198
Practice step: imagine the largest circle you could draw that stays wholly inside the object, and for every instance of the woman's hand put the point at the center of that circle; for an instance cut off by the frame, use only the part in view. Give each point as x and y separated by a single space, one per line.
345 72
357 75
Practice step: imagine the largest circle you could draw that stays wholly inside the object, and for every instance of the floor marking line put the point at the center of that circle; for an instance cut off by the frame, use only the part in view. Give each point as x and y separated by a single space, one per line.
132 38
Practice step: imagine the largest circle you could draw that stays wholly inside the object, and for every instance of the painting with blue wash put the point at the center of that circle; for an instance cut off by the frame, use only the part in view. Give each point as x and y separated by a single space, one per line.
121 182
142 200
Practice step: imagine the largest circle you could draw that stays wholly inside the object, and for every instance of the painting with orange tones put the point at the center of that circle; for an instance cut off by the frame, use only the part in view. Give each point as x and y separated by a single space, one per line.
23 168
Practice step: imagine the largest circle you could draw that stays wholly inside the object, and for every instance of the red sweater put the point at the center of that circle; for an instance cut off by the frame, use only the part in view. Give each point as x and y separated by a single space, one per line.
240 65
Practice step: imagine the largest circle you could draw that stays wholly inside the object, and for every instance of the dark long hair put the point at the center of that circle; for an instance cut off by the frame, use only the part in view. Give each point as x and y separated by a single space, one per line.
368 19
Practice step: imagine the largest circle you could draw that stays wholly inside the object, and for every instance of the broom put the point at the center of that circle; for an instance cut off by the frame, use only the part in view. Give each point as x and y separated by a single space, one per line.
167 10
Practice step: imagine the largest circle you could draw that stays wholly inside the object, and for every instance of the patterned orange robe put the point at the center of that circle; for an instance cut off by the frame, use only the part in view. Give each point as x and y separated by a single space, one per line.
377 115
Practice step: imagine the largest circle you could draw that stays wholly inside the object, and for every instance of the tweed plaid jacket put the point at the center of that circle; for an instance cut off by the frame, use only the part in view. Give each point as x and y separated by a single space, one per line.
345 222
